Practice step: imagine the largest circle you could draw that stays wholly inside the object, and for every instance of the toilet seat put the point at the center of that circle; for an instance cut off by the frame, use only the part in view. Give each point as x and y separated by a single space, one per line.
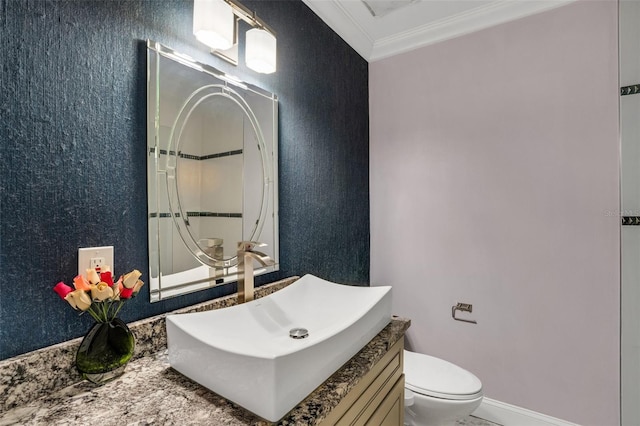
434 377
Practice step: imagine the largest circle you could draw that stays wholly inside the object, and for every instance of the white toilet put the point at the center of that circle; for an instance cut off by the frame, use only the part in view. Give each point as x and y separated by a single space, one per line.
437 393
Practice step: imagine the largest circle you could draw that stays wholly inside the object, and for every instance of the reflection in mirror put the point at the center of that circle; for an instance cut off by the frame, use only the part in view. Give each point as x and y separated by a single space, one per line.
211 171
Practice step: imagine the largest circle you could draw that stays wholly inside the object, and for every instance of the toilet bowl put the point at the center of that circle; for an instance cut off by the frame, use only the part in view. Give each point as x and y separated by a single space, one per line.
437 392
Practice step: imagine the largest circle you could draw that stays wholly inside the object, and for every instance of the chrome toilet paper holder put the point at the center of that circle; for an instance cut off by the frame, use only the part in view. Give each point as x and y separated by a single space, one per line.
464 307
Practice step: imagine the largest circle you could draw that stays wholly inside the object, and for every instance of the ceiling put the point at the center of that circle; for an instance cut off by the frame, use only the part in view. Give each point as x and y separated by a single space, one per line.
379 29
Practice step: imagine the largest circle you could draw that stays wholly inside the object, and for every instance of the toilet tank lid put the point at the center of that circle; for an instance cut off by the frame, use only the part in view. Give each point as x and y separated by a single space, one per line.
432 376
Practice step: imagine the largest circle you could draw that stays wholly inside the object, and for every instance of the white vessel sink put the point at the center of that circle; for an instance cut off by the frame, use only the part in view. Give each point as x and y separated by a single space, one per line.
245 352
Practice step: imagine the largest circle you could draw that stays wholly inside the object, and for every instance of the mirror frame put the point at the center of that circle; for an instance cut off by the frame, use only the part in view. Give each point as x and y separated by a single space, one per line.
161 172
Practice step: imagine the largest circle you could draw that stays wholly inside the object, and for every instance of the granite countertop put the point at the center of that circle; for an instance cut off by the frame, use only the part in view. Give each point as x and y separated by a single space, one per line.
151 392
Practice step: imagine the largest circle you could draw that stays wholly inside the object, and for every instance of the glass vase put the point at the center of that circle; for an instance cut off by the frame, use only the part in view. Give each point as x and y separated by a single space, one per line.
105 351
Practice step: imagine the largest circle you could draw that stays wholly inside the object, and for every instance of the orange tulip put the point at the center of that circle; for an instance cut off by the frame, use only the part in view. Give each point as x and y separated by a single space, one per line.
81 283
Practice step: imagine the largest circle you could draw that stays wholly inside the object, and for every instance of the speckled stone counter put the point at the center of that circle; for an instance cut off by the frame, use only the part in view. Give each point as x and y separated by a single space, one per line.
30 376
151 392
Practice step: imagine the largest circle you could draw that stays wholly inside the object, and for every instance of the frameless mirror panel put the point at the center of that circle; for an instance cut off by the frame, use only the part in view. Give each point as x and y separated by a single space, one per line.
211 172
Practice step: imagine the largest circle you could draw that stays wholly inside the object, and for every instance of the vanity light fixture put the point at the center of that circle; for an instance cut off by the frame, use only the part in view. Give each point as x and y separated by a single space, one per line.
211 21
260 51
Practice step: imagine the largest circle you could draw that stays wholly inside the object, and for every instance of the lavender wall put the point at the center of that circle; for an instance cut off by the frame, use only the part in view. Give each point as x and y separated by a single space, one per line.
493 169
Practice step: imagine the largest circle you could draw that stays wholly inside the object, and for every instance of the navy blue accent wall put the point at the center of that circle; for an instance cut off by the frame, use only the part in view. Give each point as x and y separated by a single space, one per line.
72 151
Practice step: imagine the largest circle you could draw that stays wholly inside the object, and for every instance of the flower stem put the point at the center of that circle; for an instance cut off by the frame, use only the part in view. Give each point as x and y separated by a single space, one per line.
93 314
120 304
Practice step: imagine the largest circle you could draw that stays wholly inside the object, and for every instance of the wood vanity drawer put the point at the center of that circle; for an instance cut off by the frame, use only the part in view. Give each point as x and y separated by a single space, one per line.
391 411
374 399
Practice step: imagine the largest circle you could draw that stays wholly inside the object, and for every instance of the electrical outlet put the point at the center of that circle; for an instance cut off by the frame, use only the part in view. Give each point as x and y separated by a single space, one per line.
97 262
93 257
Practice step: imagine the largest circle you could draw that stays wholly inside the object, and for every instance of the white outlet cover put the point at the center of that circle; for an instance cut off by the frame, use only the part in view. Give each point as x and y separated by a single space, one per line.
86 254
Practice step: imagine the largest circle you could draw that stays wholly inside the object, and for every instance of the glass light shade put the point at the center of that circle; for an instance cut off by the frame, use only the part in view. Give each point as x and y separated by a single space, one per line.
213 23
260 51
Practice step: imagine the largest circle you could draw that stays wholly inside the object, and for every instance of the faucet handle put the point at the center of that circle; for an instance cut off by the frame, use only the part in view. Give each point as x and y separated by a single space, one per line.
249 245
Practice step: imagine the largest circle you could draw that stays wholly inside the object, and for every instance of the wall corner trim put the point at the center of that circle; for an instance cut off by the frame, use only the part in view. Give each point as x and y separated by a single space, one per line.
507 414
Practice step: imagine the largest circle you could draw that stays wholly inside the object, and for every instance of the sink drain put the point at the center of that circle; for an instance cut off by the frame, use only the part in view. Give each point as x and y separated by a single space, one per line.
298 333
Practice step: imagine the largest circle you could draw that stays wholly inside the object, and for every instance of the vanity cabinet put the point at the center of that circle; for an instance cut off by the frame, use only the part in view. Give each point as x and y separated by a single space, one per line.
378 399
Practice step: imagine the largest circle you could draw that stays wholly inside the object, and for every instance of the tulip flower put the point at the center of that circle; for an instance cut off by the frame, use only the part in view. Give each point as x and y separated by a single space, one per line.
92 276
81 300
117 289
69 298
101 292
81 283
107 277
62 289
138 286
126 293
130 279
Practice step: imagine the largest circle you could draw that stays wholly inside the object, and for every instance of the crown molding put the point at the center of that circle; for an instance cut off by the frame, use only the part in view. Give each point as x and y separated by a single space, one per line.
494 13
372 49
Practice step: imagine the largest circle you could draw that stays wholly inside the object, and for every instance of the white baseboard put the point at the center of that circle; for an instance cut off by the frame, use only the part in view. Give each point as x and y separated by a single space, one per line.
511 415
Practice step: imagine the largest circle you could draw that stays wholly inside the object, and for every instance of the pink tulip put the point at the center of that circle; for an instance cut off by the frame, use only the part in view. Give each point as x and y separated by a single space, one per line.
125 293
62 289
107 277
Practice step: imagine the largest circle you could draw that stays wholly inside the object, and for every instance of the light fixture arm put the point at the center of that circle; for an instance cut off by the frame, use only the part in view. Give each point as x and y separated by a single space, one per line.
248 16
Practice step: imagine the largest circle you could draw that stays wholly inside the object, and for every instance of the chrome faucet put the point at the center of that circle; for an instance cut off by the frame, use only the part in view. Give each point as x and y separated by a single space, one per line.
246 255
